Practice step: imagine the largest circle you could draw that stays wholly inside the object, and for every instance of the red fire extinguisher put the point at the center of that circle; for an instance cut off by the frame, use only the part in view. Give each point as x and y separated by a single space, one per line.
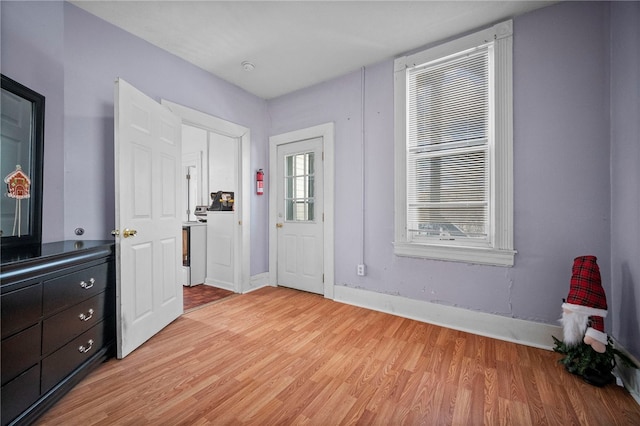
260 182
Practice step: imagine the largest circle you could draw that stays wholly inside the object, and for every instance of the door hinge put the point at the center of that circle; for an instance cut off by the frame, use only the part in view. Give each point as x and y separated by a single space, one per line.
323 278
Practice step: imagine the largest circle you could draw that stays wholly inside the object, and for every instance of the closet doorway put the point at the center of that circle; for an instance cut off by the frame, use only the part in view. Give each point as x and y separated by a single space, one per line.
224 159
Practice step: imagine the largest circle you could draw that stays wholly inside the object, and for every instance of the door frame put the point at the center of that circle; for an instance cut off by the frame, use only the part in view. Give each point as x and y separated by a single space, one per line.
326 132
242 273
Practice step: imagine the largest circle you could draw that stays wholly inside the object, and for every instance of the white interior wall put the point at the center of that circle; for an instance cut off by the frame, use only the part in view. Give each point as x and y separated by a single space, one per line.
194 162
216 167
222 163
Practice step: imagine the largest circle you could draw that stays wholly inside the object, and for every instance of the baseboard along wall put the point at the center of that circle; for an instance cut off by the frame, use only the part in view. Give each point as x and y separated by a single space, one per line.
515 330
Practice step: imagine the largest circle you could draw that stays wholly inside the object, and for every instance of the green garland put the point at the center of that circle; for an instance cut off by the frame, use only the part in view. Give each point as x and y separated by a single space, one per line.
582 360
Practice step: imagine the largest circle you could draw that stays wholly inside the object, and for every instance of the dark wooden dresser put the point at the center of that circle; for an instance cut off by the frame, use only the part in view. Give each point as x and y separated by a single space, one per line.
58 322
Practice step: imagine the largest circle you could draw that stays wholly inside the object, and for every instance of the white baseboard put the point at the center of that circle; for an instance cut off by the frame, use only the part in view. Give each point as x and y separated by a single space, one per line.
258 281
220 284
495 326
630 376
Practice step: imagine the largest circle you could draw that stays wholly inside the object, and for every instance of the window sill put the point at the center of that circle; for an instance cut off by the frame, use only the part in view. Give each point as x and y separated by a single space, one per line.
475 255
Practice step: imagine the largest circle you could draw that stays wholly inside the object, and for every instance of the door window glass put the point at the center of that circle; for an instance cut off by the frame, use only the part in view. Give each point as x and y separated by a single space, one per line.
299 187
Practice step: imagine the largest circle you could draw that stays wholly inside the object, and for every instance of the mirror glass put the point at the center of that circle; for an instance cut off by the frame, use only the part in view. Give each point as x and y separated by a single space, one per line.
21 144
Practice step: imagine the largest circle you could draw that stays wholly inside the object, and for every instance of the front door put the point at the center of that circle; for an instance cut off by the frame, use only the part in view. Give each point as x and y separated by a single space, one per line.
148 160
300 215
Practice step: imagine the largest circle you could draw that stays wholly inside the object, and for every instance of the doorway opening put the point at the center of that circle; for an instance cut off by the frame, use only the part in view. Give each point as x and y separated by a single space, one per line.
199 296
227 248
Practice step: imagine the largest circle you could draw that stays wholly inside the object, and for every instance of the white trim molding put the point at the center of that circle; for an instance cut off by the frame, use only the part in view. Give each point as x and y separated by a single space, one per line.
630 377
326 132
225 285
514 330
258 281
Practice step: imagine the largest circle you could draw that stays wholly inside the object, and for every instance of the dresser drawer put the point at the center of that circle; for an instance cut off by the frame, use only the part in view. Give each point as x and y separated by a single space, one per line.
20 309
59 364
19 352
64 326
68 290
20 393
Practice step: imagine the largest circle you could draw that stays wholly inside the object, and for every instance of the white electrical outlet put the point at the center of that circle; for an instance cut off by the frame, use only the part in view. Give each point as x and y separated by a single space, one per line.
361 270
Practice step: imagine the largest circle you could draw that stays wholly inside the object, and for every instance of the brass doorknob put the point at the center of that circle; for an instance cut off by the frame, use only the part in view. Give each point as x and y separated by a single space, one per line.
129 233
279 225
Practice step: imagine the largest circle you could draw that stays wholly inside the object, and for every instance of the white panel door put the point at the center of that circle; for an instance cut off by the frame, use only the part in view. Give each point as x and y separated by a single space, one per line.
300 215
221 249
148 160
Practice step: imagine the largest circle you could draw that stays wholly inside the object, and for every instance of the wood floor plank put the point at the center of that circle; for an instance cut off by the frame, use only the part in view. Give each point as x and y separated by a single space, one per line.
281 357
491 412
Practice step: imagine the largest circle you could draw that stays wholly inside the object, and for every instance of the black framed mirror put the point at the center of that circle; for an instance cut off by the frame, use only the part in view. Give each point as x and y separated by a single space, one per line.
21 159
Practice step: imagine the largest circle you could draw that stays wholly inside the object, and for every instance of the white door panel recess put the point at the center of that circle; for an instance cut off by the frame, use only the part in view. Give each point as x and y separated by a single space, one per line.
148 161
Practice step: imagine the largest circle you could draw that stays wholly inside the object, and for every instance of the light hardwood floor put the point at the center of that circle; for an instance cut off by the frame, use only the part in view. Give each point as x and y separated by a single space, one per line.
279 356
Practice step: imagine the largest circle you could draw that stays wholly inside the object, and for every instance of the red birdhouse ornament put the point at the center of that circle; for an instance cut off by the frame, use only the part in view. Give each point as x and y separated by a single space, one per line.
18 184
18 187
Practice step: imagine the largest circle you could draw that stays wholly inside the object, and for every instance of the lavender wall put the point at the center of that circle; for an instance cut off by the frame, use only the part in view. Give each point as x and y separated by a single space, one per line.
625 173
561 171
32 54
96 53
562 183
73 58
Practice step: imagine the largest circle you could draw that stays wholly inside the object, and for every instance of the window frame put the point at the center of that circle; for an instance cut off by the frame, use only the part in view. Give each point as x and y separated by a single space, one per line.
500 251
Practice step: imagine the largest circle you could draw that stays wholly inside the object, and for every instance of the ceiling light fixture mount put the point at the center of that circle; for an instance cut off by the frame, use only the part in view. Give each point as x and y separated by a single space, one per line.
248 66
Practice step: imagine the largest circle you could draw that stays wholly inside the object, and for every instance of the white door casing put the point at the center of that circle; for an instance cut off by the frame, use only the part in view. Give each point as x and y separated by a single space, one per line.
325 132
148 159
299 209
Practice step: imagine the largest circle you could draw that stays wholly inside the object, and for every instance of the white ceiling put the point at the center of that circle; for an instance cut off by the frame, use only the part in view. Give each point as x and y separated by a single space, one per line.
295 44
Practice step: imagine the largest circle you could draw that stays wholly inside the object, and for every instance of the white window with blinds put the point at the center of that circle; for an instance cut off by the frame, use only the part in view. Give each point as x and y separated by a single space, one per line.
454 173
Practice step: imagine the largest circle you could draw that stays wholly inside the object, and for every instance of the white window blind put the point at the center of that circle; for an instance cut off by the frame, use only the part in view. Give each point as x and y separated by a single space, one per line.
448 143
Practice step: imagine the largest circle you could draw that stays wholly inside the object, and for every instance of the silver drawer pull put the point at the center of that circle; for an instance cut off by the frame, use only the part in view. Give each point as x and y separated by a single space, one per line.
86 285
86 317
88 348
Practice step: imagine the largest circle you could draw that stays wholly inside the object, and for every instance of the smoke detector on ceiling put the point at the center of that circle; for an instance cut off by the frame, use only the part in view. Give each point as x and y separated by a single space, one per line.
248 66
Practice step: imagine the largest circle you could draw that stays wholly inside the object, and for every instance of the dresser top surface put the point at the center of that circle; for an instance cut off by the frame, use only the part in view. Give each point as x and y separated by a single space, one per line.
51 255
11 256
